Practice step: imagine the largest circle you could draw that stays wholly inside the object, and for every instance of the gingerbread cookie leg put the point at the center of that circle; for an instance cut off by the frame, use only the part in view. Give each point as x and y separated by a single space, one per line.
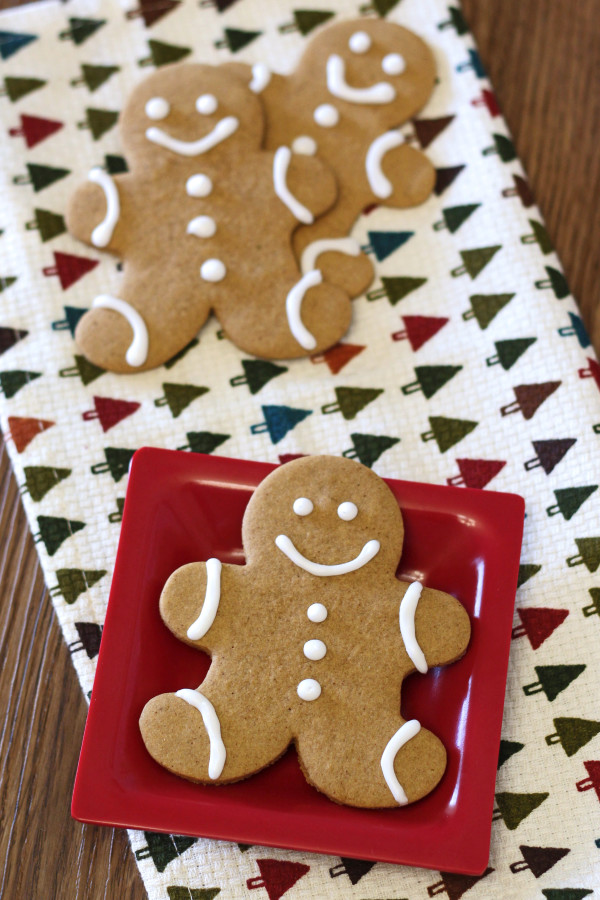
308 315
212 735
383 761
135 330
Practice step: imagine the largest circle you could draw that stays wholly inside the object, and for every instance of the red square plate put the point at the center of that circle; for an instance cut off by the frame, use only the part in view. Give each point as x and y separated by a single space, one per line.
183 507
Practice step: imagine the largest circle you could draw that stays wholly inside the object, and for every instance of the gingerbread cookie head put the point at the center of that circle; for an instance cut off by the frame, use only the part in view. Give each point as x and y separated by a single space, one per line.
377 67
325 516
182 112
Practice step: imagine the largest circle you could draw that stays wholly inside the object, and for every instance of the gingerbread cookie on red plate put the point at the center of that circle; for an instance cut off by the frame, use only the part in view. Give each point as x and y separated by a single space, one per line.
310 642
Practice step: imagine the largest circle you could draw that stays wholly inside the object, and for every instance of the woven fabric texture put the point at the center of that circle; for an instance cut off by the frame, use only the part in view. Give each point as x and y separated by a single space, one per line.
466 362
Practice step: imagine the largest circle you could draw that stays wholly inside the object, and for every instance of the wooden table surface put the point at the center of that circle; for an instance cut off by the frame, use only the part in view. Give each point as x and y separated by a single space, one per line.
543 60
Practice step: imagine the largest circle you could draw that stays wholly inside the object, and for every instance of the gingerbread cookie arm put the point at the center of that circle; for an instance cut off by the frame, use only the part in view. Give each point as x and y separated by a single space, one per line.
305 184
192 601
398 175
96 211
434 626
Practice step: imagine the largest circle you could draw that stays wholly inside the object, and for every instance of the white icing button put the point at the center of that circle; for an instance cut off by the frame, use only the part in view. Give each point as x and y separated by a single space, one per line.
315 649
213 270
202 226
316 612
304 145
309 689
157 108
326 115
393 64
198 186
360 42
347 511
303 506
207 104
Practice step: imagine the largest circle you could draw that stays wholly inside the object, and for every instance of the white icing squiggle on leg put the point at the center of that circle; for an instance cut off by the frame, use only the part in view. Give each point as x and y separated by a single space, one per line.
137 352
210 718
261 76
293 308
103 232
380 185
210 606
408 608
281 162
404 734
310 254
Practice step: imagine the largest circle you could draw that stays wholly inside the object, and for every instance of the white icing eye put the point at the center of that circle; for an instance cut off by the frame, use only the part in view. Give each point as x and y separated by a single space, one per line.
326 115
304 145
360 42
157 108
303 506
198 186
347 511
393 64
207 104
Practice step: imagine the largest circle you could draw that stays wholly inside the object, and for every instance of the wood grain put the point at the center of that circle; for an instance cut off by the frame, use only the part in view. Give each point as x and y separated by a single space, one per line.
543 59
43 852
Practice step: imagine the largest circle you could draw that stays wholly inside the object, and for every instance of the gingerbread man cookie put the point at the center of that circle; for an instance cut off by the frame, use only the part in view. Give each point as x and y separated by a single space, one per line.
203 221
356 83
310 642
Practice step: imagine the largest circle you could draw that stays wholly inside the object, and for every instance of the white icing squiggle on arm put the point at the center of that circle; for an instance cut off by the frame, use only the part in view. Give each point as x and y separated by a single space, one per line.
380 185
408 607
404 734
293 309
210 606
281 162
103 232
137 352
310 254
261 76
222 130
382 92
210 718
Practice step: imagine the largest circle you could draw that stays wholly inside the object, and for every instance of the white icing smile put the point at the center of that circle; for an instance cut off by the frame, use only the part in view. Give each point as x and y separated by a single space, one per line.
370 549
382 92
222 130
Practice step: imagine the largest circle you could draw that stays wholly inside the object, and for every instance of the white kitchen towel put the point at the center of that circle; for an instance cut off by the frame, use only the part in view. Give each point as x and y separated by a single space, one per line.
466 362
